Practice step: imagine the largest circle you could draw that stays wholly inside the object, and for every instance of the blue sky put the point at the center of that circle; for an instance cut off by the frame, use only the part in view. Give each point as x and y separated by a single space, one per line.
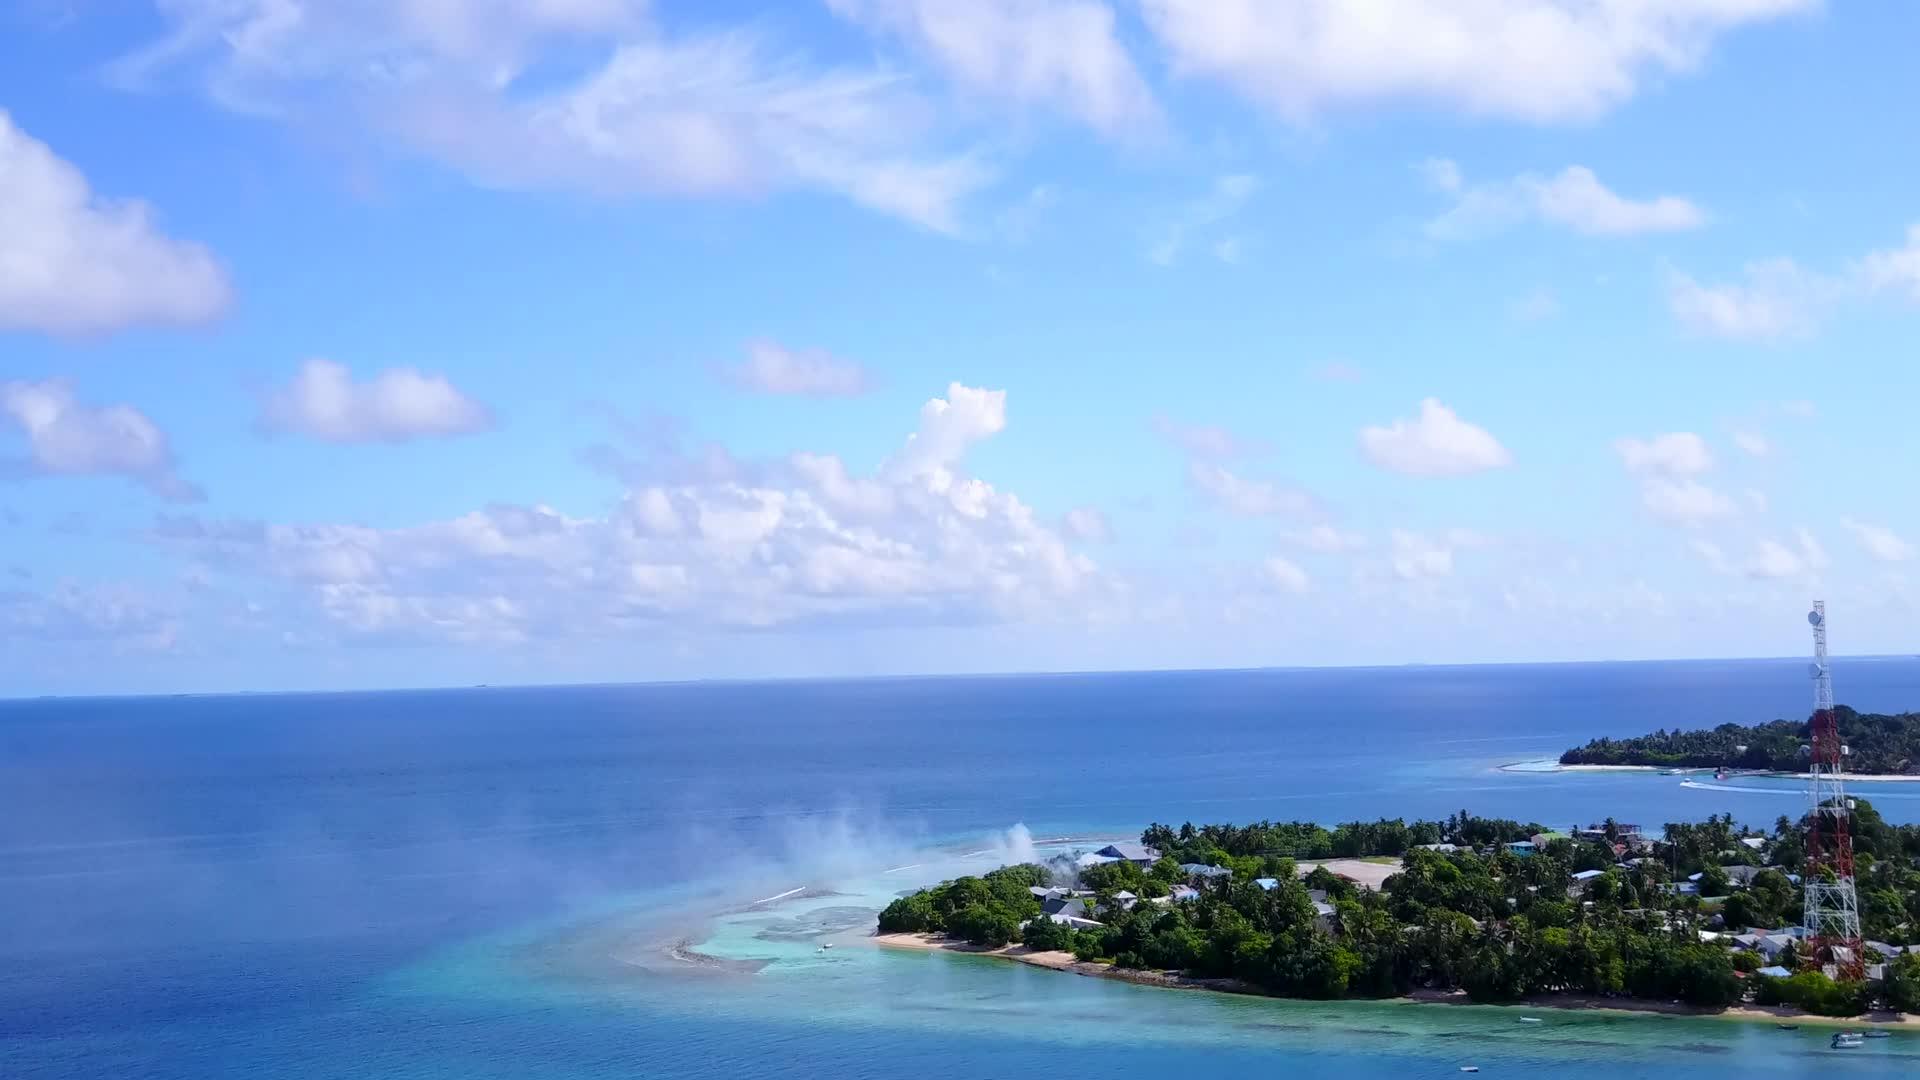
425 342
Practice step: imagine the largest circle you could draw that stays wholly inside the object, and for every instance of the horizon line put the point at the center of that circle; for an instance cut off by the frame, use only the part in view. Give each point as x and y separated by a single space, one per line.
748 680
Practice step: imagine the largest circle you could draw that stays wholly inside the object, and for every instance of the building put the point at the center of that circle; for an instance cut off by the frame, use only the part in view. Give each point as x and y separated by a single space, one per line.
1577 883
1521 847
1266 883
1133 853
1203 871
1182 893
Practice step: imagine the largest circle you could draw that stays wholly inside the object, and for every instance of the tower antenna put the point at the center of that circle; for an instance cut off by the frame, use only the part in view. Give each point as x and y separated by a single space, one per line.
1833 908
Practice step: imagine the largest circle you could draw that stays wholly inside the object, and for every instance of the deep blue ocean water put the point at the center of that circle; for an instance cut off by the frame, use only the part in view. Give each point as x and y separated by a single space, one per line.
473 883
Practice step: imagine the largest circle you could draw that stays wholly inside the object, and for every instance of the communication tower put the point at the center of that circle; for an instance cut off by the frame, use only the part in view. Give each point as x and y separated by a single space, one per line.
1833 908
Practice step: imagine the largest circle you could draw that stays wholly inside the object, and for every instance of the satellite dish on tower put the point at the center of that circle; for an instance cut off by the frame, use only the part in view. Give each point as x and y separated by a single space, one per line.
1814 671
1813 618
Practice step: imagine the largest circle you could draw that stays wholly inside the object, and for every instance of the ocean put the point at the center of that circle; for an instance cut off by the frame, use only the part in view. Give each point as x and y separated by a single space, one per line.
562 882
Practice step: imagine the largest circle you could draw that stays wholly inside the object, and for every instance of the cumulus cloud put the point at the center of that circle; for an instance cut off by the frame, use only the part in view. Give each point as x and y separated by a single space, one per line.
1774 299
1325 539
121 617
1679 453
1896 270
324 402
1245 496
772 368
1752 443
1286 574
1574 199
769 543
1060 54
948 426
1684 502
1416 555
1536 60
714 113
1225 199
1879 541
1087 523
1776 561
1206 440
1435 443
68 437
78 263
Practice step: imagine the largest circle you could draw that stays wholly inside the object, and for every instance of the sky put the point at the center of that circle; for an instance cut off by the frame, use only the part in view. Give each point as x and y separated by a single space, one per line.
369 343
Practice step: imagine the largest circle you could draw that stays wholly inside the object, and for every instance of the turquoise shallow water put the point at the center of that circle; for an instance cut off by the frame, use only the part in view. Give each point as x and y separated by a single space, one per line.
488 883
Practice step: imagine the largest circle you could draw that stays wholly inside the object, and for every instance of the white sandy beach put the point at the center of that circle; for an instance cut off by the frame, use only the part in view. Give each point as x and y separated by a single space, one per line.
1865 778
1060 961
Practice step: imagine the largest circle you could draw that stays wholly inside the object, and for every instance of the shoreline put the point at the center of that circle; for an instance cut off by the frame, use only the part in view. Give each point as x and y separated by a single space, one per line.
1538 766
1569 1002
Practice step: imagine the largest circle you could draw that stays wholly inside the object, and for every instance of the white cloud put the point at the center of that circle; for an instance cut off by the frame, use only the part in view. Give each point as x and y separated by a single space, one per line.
948 426
1536 306
72 262
772 368
1286 574
1227 197
1684 502
1775 561
1246 497
1896 269
66 437
1679 453
1752 443
1206 440
1436 443
1575 199
798 539
1536 60
1881 542
1668 466
1325 539
710 114
324 402
1062 54
1338 371
1087 523
1776 299
1416 555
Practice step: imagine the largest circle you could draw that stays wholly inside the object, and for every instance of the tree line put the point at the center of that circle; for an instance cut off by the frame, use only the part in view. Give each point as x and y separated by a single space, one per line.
1878 743
1480 919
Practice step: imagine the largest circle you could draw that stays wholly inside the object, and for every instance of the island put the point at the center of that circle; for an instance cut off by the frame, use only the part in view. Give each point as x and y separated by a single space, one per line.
1473 909
1878 744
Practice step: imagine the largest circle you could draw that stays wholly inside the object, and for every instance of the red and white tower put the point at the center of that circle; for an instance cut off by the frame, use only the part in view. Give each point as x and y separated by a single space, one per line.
1833 909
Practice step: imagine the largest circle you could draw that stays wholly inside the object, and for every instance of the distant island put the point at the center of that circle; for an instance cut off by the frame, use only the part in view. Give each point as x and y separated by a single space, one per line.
1475 909
1877 743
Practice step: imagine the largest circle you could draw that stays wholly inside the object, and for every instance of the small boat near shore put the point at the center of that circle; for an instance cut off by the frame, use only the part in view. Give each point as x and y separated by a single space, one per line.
1847 1040
1876 1033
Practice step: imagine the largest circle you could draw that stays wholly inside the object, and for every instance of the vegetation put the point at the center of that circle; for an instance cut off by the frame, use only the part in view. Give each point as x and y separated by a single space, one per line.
1497 925
1879 744
984 910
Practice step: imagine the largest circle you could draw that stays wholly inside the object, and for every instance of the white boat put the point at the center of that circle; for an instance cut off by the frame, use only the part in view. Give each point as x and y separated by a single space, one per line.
1469 1068
1530 1020
1878 1034
1847 1040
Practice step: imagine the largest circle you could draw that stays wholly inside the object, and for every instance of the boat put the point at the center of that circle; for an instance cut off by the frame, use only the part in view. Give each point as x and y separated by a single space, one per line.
1529 1019
1469 1068
1846 1040
1788 1027
1878 1034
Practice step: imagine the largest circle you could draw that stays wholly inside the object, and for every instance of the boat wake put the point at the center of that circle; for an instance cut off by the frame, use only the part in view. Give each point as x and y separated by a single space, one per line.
1783 790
